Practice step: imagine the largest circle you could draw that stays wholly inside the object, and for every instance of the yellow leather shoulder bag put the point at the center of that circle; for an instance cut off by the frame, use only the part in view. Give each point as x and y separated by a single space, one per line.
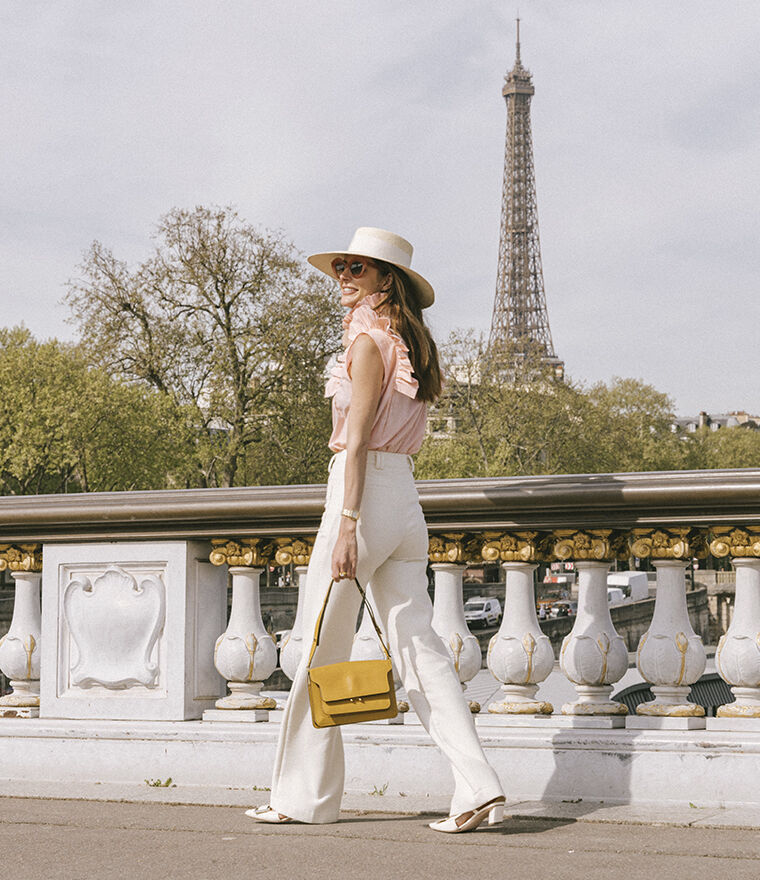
352 691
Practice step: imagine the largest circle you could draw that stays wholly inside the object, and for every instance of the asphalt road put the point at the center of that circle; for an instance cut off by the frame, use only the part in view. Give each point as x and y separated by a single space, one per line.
87 840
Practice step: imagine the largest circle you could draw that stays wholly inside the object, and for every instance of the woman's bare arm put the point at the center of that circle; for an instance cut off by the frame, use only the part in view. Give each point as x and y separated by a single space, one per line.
366 387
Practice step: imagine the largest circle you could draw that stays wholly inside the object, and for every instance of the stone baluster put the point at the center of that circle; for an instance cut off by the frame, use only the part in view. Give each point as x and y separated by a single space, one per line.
593 656
20 647
670 654
737 658
519 654
299 552
366 646
448 554
245 654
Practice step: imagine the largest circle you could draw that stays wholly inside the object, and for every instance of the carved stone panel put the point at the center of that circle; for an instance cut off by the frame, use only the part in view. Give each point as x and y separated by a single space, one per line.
128 630
114 622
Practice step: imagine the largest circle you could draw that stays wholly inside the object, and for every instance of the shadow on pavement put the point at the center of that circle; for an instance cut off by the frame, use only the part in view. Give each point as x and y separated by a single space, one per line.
510 825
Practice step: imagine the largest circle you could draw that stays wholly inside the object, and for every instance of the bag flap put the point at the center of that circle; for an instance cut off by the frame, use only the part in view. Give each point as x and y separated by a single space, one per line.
357 706
354 678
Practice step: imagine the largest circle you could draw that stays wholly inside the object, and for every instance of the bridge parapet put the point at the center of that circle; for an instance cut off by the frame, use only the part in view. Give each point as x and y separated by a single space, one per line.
121 598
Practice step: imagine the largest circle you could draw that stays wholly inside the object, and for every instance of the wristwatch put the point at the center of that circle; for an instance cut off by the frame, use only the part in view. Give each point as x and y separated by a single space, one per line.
351 514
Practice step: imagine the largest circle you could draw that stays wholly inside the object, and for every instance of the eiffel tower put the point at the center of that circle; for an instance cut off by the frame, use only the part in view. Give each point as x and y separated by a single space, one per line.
520 322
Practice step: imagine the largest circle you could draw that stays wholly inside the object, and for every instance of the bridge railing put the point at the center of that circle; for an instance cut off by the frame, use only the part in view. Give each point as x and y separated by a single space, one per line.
121 599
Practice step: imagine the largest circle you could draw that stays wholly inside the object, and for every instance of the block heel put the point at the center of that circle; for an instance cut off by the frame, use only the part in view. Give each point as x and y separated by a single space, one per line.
496 814
470 819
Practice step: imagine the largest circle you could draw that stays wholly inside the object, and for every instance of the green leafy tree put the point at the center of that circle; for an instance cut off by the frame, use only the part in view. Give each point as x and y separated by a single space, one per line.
65 426
228 322
737 447
631 423
495 421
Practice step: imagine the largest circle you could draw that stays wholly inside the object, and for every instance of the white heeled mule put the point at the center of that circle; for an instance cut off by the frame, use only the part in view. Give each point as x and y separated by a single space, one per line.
470 819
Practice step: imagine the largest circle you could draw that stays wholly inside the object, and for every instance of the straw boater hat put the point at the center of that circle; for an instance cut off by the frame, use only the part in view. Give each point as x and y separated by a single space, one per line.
379 244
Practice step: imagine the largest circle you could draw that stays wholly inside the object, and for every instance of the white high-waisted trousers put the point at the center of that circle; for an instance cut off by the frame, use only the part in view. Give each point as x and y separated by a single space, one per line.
393 550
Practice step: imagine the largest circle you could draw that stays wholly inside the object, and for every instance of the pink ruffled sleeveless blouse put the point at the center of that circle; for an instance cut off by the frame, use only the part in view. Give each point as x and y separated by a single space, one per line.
399 424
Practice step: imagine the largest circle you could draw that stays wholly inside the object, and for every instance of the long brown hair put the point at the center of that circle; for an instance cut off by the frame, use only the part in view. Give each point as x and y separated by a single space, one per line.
406 319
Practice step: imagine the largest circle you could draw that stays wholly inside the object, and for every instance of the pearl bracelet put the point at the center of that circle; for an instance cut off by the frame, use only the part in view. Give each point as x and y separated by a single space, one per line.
351 514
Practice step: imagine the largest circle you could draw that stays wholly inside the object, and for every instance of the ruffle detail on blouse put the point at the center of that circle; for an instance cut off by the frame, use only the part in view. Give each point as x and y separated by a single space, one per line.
337 375
364 319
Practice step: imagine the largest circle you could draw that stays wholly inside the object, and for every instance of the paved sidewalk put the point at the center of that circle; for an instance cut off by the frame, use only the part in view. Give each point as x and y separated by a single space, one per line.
87 840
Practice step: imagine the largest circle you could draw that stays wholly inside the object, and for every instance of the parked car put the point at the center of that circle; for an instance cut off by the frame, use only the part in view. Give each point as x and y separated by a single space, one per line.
565 609
481 611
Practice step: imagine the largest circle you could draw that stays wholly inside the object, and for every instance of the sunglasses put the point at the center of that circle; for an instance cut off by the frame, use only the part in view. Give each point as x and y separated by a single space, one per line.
357 266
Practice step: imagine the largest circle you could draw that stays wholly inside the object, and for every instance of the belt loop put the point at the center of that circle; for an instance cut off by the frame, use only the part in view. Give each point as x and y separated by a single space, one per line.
411 462
378 457
331 463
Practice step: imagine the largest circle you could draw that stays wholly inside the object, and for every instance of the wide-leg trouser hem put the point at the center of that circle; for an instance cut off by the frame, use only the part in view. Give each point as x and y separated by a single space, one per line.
308 817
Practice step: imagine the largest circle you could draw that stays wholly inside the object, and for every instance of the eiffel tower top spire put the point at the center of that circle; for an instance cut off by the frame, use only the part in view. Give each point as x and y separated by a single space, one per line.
520 322
518 63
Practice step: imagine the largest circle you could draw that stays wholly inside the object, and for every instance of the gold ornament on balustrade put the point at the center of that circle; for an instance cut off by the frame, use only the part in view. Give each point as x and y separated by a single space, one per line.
529 646
296 550
248 552
589 544
513 547
458 547
21 557
456 643
736 542
667 543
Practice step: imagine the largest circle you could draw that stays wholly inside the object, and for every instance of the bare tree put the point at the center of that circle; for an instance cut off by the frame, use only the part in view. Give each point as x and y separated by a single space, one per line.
230 322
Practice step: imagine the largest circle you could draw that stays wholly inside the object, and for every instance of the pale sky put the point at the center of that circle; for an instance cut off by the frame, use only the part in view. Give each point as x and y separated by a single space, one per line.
317 117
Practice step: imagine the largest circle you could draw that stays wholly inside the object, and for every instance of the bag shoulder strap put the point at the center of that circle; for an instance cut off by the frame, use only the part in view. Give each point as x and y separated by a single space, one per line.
365 604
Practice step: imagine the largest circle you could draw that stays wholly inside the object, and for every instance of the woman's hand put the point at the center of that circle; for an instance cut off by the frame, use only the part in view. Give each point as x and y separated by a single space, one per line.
345 553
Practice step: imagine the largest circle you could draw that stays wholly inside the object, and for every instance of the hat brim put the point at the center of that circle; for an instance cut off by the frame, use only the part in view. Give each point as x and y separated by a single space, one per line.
422 288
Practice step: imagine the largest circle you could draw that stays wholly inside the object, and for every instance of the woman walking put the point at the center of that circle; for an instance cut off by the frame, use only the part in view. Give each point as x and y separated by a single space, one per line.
373 529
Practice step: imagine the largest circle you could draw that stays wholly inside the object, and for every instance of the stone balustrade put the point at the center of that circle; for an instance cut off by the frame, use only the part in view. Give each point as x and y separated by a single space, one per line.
121 603
123 617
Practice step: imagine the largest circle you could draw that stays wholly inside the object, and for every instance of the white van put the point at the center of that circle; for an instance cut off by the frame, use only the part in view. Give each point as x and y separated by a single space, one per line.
633 583
615 596
480 611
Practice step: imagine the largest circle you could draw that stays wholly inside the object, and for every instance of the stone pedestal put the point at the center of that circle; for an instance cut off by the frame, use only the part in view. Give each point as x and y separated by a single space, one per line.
551 722
128 630
664 722
245 716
